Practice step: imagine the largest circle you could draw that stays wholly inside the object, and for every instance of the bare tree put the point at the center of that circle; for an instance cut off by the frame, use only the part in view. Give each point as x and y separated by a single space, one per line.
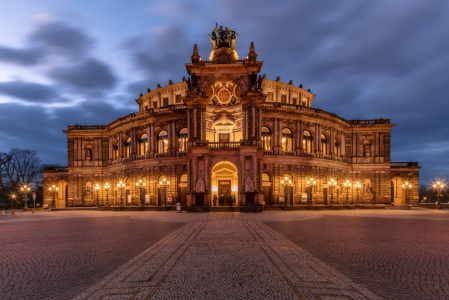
18 167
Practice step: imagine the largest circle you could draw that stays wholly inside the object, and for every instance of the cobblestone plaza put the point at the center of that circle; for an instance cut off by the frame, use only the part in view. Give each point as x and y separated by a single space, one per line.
354 254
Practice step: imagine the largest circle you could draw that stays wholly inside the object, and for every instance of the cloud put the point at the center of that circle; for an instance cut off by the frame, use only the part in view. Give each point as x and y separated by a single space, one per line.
25 57
29 91
61 38
90 74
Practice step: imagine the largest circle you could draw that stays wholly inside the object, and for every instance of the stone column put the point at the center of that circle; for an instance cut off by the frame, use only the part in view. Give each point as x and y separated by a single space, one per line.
255 171
188 124
152 137
244 123
259 135
194 123
110 148
332 141
150 141
253 111
133 142
342 145
120 145
174 135
242 180
377 145
203 123
169 138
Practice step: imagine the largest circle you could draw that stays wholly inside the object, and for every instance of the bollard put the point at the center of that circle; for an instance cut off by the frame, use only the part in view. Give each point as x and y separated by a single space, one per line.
3 212
13 212
49 209
32 211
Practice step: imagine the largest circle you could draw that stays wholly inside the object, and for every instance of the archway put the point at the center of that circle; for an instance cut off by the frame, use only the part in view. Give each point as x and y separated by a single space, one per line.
224 182
398 193
61 194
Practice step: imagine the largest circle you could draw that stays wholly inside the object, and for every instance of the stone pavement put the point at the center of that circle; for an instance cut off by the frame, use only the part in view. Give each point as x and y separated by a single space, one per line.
363 254
225 258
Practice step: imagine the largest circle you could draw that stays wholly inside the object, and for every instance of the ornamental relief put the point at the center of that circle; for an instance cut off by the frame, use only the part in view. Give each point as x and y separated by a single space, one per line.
224 94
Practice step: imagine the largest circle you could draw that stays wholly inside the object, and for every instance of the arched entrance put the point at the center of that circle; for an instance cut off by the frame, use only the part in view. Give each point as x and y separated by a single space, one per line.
224 182
398 192
61 194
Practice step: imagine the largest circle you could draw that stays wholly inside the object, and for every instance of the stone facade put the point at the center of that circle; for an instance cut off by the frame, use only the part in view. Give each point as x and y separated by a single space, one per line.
224 125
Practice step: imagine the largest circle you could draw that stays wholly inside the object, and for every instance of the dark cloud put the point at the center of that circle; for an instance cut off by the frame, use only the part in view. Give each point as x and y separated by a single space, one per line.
89 74
29 91
61 38
25 57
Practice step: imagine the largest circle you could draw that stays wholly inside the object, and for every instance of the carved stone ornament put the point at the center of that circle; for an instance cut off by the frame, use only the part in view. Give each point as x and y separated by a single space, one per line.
249 185
200 186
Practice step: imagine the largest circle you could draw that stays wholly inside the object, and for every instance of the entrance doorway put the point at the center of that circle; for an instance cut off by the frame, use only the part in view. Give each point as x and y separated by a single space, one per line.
224 180
224 192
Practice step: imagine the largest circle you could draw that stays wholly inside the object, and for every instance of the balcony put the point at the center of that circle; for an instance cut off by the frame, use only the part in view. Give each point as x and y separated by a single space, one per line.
224 145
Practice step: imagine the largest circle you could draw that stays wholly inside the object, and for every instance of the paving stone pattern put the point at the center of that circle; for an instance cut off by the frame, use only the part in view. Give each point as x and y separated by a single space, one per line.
225 257
58 259
393 258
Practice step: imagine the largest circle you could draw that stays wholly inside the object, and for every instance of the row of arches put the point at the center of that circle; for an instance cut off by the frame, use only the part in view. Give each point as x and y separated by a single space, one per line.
288 141
142 144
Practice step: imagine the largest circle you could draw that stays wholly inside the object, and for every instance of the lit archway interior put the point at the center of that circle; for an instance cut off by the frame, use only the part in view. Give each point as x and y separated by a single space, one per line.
224 182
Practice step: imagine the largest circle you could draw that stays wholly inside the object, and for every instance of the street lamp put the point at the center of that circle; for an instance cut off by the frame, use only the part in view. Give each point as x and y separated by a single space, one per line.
407 187
438 186
138 185
285 185
311 184
234 190
347 185
13 196
332 185
358 186
121 186
106 188
164 184
24 191
97 189
53 189
214 190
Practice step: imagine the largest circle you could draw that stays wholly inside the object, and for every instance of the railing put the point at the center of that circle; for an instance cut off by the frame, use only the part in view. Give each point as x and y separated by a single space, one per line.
327 157
182 154
248 142
139 157
268 152
364 122
159 155
224 145
86 127
306 154
56 168
404 164
289 153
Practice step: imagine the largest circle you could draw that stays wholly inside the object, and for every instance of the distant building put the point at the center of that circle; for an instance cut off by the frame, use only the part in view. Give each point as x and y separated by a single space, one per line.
230 132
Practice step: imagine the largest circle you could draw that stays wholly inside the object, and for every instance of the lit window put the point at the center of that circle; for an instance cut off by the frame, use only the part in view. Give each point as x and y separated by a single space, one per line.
287 140
143 144
337 148
266 138
182 140
115 151
324 144
162 142
127 147
307 142
266 177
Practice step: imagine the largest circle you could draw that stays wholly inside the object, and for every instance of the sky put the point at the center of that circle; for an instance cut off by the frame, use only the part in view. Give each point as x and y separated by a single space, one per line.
85 62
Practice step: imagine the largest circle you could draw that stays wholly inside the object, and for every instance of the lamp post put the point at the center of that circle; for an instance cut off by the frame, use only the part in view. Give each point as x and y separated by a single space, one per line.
311 184
407 186
106 188
164 184
358 186
138 185
24 191
347 185
285 185
438 186
332 184
97 189
214 190
13 196
53 189
121 186
234 190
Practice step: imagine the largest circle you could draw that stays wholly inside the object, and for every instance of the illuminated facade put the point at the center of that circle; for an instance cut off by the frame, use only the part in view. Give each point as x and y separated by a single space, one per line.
230 132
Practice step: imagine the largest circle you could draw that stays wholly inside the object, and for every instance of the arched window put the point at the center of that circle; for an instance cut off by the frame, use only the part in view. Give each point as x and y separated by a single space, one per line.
266 138
324 144
287 140
182 140
307 142
287 177
183 178
266 177
162 142
127 147
337 148
143 144
115 150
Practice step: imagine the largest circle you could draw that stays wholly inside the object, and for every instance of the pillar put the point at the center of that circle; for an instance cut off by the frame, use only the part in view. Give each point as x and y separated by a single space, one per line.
259 131
194 123
188 124
342 146
244 123
110 148
203 123
253 110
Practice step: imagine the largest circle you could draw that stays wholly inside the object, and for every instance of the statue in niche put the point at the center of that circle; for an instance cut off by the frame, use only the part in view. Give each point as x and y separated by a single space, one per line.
200 186
249 185
88 154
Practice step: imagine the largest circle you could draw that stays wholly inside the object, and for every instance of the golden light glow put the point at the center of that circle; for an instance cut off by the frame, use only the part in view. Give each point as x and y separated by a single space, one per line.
234 188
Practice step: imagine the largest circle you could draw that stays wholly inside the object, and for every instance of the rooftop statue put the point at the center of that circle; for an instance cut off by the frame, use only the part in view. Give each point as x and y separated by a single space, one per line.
223 37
